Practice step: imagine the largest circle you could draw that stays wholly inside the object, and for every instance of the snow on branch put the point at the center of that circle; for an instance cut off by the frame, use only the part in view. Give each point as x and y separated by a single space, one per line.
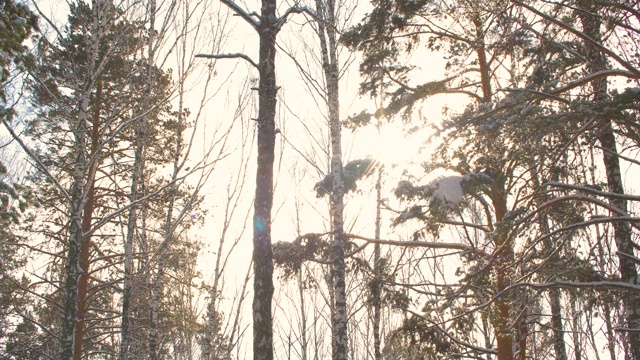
425 244
596 76
242 13
632 69
596 285
593 221
586 198
592 191
296 9
229 56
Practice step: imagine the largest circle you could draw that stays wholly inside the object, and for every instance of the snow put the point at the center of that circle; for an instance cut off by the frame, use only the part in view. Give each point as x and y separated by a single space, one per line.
449 189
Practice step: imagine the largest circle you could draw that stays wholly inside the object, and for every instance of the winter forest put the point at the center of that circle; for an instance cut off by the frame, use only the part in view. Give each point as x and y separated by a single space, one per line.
328 179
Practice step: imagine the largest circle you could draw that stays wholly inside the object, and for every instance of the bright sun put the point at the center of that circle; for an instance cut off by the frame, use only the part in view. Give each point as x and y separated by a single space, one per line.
390 146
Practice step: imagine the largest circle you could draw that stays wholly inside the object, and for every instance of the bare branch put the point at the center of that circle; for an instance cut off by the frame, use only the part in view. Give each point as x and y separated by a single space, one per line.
296 9
597 76
229 56
42 167
242 13
426 244
593 191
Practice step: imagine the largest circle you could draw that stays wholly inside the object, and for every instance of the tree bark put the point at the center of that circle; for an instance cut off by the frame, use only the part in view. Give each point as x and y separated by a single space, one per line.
87 219
262 252
137 180
377 272
329 47
504 253
78 196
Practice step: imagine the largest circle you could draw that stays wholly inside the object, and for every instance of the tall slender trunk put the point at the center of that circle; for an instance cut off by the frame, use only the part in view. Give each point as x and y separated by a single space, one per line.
377 271
303 318
78 196
136 184
262 252
503 245
158 284
327 33
87 219
596 61
504 252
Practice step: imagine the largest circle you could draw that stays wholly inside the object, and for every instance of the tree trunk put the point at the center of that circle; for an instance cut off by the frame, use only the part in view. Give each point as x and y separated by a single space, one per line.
329 47
596 61
87 219
504 252
377 272
262 252
136 185
78 197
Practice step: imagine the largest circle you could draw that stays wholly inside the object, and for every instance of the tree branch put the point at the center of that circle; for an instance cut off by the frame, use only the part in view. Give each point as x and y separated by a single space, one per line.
229 56
580 34
242 13
35 158
426 244
296 9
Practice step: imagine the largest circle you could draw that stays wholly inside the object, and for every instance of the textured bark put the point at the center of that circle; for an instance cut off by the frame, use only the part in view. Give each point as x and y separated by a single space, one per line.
596 61
78 197
557 326
377 272
137 180
329 47
481 51
504 252
87 219
262 252
304 343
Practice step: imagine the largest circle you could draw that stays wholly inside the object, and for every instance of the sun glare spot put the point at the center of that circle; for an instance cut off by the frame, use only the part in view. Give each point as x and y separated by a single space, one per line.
392 146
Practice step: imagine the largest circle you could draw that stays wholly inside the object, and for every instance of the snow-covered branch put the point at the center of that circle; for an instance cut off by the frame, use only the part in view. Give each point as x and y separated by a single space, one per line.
592 191
593 221
596 285
425 244
632 69
296 9
229 56
586 198
242 13
595 76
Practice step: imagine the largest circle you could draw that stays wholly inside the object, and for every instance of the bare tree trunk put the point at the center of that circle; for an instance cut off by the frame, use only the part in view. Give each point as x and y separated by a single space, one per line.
87 219
504 253
377 271
303 318
596 61
137 180
262 252
78 196
327 33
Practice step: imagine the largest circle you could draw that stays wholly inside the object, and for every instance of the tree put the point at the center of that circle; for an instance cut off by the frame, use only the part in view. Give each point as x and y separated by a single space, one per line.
267 25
